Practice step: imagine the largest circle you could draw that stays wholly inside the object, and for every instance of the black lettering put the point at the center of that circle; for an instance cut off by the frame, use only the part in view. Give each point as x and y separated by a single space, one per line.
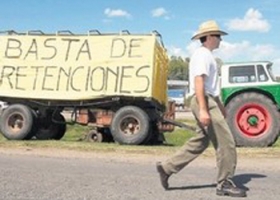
31 50
77 79
86 50
69 40
87 79
50 48
47 74
7 72
13 48
118 48
97 79
36 75
124 76
18 75
108 77
144 77
134 44
92 79
67 74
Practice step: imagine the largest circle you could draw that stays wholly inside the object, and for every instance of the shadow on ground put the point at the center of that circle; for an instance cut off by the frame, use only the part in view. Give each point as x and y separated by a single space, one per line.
240 180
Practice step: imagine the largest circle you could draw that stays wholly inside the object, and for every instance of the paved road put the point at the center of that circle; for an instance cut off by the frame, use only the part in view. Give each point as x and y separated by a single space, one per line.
57 175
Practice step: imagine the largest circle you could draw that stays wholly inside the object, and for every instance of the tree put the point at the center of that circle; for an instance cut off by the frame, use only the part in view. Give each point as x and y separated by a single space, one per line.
219 64
178 68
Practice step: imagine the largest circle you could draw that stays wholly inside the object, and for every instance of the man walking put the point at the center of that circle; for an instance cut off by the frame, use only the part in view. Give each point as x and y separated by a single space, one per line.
209 114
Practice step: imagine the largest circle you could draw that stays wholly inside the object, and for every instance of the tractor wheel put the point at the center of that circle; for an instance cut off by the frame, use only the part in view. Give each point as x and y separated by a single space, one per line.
254 120
16 122
130 125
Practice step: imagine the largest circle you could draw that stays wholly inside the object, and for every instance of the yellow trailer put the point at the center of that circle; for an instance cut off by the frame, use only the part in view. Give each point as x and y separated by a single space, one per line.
115 82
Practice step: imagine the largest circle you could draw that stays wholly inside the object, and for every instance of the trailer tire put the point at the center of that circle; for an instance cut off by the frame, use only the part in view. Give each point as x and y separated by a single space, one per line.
94 136
155 137
52 129
61 127
130 125
253 119
16 122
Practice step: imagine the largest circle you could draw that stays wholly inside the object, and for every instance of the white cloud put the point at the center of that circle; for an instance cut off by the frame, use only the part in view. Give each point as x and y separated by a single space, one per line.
228 51
275 68
116 13
192 47
184 53
176 51
252 21
245 51
159 12
235 52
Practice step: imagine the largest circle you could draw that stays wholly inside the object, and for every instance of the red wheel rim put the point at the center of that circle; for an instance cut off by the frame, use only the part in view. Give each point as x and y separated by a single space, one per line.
253 120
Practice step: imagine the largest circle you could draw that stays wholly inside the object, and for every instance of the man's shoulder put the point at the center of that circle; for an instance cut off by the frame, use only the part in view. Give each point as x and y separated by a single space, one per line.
200 52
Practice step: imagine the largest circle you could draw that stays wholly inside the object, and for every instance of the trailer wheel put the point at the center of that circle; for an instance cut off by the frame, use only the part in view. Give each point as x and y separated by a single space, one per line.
49 129
130 125
16 122
61 127
253 119
155 137
106 134
94 136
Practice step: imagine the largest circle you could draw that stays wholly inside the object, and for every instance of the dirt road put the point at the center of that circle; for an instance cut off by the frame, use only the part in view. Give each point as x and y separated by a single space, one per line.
63 174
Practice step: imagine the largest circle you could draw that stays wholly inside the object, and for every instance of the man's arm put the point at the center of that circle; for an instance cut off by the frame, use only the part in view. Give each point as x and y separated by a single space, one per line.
204 116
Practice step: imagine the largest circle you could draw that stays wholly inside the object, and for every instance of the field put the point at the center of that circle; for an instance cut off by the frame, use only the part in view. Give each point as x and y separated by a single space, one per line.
74 140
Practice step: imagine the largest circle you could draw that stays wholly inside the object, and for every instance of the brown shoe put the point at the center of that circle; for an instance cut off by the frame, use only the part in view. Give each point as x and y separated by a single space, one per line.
162 175
228 188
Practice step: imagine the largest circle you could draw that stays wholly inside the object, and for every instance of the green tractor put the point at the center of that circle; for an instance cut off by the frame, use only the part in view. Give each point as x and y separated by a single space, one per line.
251 96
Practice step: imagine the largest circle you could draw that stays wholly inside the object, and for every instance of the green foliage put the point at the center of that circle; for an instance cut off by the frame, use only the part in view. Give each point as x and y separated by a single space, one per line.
178 137
178 68
188 101
277 78
76 132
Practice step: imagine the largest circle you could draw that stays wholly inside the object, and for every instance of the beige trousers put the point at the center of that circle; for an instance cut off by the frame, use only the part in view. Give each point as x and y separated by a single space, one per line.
218 133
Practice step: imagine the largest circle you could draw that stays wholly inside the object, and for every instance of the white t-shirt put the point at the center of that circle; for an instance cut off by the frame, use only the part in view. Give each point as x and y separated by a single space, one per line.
203 62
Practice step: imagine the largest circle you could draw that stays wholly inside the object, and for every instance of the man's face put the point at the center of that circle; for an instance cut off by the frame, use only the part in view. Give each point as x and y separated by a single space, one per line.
215 41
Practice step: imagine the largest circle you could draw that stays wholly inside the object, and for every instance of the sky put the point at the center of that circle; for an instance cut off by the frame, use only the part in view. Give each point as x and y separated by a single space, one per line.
253 26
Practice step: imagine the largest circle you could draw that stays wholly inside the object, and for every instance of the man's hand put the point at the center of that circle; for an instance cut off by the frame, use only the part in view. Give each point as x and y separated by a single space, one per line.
204 118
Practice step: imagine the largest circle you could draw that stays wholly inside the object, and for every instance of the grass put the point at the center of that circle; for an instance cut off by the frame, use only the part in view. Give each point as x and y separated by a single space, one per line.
74 140
179 136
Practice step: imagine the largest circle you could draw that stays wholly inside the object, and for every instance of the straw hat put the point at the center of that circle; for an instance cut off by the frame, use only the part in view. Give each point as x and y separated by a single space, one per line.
208 28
